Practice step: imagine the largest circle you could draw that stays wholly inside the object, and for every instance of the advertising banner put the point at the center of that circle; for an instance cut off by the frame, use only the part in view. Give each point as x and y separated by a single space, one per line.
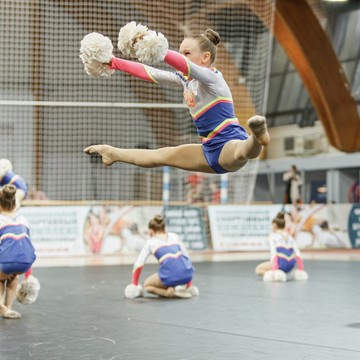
314 226
241 227
188 223
81 230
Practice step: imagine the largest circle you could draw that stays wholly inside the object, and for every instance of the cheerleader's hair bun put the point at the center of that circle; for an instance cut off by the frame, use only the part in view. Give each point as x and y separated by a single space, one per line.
8 197
279 220
8 191
157 223
213 36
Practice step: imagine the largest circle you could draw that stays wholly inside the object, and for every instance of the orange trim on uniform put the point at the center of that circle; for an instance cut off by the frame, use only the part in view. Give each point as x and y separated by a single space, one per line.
212 104
220 127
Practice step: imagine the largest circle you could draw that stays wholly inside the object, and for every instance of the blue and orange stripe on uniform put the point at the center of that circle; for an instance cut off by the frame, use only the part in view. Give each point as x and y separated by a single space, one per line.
218 129
211 104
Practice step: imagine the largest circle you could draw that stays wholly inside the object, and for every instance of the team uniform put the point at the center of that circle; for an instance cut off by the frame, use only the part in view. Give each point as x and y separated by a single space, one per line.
11 178
17 253
284 253
175 265
207 96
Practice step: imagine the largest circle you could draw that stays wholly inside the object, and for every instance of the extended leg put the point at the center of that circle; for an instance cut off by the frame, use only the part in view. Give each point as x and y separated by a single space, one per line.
187 157
236 153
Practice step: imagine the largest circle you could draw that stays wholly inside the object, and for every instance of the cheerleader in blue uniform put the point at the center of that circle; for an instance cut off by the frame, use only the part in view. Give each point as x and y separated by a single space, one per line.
286 262
226 146
17 253
174 277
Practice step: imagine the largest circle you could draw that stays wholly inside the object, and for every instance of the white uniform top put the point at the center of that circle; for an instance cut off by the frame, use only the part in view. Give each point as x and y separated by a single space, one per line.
161 249
280 243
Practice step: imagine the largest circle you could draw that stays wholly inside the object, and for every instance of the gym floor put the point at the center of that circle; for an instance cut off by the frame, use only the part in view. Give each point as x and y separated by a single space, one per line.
81 314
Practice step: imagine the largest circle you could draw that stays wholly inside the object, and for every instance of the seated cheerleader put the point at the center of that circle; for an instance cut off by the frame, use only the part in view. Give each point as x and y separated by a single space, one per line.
286 262
17 255
174 277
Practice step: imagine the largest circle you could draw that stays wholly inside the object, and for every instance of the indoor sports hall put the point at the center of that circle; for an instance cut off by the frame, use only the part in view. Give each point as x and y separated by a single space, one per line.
179 180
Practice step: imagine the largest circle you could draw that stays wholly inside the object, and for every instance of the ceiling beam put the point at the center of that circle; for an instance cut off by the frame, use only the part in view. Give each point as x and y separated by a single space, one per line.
299 32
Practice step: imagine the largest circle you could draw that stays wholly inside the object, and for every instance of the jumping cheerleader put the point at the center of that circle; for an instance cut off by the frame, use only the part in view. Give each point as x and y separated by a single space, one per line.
174 277
226 146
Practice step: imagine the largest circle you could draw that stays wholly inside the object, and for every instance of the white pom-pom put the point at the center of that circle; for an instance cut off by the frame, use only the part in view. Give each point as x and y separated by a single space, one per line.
28 291
128 36
300 275
97 69
277 275
133 291
96 52
97 47
194 290
5 166
268 276
152 48
280 275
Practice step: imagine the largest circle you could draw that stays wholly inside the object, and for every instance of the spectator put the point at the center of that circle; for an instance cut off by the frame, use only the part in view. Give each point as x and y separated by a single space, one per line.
195 188
293 186
215 192
35 194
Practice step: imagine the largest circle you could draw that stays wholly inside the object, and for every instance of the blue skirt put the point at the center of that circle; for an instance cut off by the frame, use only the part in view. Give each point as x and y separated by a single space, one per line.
177 271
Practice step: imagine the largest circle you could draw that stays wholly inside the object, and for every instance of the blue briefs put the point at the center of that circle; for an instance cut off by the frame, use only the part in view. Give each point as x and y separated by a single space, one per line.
212 155
213 147
14 268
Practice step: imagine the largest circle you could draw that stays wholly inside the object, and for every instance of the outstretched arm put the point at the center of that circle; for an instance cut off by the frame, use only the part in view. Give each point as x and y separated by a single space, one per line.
144 72
188 68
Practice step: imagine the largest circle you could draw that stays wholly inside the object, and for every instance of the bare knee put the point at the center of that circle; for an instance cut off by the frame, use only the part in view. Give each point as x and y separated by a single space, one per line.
147 283
149 288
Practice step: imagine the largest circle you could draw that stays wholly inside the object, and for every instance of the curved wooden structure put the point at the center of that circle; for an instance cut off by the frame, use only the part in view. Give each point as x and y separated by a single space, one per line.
308 47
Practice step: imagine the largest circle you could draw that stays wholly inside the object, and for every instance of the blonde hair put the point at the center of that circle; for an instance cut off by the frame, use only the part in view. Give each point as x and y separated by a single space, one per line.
7 197
207 42
157 224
